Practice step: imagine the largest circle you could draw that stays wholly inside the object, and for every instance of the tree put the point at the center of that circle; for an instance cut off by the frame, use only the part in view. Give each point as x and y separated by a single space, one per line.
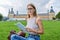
1 17
58 15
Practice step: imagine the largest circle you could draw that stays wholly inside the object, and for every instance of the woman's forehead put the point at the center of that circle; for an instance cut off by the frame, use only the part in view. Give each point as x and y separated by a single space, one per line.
29 7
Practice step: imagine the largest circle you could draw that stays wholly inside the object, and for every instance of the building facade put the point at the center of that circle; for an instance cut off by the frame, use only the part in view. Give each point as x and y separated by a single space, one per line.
44 16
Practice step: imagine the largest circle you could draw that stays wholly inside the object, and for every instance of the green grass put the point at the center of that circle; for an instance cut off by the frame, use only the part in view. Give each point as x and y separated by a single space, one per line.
51 29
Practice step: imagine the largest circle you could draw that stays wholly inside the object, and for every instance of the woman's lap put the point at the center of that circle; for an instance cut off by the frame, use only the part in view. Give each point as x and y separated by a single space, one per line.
36 37
17 37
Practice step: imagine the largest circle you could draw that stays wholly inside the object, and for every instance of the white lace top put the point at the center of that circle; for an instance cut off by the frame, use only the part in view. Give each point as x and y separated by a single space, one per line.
31 23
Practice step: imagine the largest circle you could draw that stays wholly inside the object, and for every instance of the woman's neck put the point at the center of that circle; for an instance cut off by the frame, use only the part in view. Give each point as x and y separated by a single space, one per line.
31 16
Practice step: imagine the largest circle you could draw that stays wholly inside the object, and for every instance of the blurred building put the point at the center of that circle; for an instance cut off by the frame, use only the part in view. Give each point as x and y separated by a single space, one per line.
44 16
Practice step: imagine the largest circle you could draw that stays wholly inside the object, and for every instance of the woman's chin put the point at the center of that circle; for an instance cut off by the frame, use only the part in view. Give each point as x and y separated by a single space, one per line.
31 13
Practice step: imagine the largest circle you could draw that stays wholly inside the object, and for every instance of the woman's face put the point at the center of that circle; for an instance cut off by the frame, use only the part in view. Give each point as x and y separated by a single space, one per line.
30 10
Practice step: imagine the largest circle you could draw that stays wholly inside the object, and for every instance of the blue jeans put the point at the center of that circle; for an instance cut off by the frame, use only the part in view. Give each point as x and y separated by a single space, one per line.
30 37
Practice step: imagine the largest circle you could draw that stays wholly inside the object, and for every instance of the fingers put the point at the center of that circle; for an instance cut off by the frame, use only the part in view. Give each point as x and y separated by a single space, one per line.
28 29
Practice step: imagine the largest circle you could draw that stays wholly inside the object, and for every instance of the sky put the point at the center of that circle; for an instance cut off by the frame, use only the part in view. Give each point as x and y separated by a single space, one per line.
21 5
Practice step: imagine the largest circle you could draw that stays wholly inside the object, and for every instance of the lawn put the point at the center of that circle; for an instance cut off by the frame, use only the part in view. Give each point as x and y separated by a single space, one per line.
51 29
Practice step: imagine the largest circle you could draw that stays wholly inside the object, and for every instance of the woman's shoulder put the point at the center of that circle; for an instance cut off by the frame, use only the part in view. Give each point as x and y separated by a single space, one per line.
38 18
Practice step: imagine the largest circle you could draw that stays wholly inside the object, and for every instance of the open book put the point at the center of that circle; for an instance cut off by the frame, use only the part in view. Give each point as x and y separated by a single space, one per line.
22 27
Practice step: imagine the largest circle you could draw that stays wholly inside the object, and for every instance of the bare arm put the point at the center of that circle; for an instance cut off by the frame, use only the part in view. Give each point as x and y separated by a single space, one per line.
40 25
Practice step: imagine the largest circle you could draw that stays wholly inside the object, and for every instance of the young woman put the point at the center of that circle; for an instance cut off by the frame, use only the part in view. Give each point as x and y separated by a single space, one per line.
34 25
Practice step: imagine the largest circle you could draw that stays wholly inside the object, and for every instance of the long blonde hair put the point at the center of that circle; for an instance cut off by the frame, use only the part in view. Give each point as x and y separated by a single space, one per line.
34 14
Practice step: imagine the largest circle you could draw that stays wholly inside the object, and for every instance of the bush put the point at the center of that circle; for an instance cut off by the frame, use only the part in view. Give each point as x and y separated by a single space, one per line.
1 17
54 18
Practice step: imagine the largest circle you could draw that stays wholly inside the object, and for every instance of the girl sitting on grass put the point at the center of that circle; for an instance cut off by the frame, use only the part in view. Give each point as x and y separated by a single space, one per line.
34 25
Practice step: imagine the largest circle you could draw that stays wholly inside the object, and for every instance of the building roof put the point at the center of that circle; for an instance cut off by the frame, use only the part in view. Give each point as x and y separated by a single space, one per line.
51 10
20 14
43 14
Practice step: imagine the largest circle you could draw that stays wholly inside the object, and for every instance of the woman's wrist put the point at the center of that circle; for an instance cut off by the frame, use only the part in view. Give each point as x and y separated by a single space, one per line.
35 31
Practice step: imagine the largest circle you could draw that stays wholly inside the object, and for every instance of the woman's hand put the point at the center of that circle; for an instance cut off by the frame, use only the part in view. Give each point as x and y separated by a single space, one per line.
19 32
29 29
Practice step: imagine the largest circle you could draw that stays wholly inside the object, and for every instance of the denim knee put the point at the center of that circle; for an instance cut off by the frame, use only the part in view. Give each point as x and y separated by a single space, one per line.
30 38
13 36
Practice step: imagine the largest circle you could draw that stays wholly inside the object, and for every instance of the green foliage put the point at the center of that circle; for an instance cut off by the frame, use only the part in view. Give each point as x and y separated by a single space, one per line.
1 17
58 15
54 18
